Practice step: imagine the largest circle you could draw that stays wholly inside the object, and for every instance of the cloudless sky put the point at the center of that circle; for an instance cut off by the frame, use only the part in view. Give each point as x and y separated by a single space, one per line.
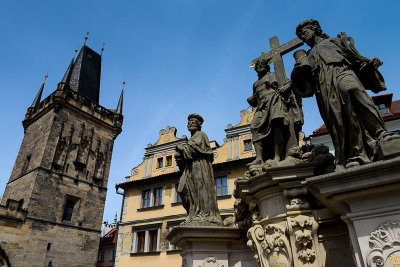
179 57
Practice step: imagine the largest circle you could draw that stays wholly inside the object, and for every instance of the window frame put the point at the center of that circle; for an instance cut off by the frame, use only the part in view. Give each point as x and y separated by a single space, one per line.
168 161
177 197
383 109
219 187
153 241
148 237
145 198
101 256
112 255
69 199
141 237
248 145
157 196
160 163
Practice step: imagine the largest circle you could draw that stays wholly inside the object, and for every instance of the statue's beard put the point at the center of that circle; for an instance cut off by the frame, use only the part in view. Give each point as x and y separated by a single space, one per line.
192 128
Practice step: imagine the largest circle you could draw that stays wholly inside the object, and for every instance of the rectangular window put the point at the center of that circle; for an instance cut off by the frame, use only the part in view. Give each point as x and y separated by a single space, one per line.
169 160
222 186
177 196
159 163
140 241
157 196
153 240
112 255
247 145
146 195
382 109
68 210
101 255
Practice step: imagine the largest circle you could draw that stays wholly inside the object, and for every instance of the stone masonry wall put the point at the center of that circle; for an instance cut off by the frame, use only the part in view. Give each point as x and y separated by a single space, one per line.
33 145
26 244
64 155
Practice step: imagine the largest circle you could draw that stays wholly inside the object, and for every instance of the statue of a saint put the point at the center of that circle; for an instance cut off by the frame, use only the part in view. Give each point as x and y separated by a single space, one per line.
278 117
337 74
197 185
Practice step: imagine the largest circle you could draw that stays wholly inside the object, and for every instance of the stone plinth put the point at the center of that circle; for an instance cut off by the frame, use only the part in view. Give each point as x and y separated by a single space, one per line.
212 246
367 198
289 227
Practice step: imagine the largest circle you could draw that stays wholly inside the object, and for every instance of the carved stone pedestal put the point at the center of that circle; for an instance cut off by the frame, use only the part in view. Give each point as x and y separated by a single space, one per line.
292 229
212 246
367 198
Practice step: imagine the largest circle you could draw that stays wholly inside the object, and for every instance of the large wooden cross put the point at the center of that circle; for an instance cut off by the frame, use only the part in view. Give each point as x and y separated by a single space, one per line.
275 56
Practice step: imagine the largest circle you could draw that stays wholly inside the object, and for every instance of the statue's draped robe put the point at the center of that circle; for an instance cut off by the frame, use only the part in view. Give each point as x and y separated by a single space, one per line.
271 106
197 185
348 111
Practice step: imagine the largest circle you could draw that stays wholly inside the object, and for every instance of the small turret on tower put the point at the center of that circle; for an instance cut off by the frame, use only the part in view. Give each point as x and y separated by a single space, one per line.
38 97
67 75
121 100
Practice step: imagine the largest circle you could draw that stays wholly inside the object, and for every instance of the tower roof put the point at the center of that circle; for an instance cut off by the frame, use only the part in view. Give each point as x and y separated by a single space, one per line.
85 74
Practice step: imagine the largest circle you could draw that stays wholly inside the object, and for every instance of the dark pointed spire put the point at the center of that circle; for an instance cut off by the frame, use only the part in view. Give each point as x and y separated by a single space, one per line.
39 94
121 100
67 75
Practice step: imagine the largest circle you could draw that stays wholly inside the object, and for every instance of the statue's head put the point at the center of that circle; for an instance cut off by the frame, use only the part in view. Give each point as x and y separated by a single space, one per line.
308 30
262 66
194 122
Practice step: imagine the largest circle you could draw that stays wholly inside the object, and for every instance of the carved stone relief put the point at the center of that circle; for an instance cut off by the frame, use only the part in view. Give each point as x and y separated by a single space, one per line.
297 199
270 244
211 262
244 214
304 240
85 158
384 244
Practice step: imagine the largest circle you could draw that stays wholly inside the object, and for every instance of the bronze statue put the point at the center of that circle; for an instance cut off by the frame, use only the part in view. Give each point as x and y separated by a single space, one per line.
278 117
337 74
197 185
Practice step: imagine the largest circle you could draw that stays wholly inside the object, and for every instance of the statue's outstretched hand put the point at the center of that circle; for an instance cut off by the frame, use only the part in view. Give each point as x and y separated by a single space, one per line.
376 62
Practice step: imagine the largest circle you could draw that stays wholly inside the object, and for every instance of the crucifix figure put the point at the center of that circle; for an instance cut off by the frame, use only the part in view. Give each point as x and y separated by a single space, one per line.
275 56
278 117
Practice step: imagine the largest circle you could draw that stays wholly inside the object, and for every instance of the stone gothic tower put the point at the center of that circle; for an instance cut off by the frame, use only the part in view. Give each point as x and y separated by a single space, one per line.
52 208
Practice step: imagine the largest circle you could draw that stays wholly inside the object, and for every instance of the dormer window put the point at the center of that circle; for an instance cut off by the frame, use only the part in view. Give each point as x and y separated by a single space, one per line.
382 109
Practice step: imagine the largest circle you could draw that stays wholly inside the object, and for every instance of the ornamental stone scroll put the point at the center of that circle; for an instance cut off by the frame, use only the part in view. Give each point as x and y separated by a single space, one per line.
384 244
271 245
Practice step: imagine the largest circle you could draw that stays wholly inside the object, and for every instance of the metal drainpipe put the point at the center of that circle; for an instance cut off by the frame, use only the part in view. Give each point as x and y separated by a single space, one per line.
120 218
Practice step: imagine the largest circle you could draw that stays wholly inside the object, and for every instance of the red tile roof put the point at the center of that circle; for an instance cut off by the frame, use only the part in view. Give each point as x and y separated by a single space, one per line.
109 238
395 108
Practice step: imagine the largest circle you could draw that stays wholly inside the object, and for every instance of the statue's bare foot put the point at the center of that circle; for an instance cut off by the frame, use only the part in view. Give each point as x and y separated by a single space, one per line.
339 168
271 163
352 164
256 162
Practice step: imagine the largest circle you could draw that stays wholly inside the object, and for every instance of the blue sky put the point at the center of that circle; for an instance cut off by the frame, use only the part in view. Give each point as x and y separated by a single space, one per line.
179 57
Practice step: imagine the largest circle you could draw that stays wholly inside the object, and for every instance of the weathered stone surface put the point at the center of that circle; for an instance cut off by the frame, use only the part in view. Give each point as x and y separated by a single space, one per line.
65 154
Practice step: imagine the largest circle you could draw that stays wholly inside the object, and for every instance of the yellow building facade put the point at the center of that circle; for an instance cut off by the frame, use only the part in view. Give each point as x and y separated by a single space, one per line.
151 205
